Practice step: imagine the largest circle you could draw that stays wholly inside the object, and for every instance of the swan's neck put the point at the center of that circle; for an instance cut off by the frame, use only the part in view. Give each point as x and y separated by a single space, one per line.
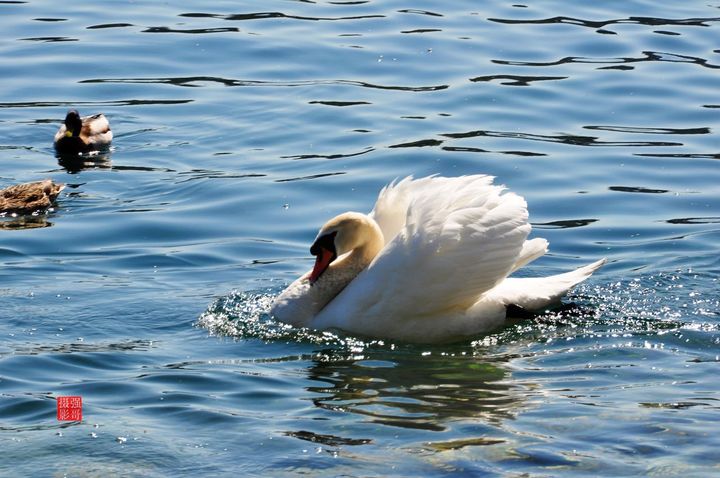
362 255
301 301
348 266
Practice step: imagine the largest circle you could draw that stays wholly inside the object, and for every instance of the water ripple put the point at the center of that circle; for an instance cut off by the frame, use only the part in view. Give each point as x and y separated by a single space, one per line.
418 144
244 315
329 156
80 347
563 224
310 176
695 220
339 103
634 189
648 21
517 80
192 31
680 155
421 12
645 130
266 15
648 56
133 102
422 30
329 440
50 39
572 139
191 80
103 26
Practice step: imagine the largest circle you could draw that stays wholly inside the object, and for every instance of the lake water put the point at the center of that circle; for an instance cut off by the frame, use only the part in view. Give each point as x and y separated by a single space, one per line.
240 127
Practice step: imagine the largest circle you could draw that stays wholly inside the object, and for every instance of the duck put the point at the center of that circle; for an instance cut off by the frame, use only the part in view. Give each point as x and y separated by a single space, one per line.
29 197
428 264
82 134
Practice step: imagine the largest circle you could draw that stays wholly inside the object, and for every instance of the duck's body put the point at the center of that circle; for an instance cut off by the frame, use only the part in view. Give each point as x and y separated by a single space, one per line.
428 264
81 135
29 197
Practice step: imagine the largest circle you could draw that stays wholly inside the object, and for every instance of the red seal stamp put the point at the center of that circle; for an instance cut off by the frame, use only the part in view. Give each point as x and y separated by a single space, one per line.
69 408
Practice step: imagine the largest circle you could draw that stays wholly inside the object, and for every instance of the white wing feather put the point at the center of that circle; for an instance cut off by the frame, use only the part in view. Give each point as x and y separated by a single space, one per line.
536 293
391 207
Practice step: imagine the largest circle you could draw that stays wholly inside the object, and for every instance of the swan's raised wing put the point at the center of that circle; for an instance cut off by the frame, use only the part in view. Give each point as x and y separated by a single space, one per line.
391 208
460 238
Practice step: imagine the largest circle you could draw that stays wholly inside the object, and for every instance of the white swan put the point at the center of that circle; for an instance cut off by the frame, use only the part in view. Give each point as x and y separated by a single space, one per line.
429 264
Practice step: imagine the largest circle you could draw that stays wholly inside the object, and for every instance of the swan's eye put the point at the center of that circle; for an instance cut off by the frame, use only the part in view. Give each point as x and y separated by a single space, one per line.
326 241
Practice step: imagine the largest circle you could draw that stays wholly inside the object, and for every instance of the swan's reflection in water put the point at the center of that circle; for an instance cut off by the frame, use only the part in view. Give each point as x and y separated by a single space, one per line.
417 390
403 386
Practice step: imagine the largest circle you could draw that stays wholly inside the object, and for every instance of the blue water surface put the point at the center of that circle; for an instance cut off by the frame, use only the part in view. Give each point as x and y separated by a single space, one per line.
240 127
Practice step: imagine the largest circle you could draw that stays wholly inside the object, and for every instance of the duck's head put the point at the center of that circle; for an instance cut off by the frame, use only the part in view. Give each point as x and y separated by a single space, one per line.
73 124
342 234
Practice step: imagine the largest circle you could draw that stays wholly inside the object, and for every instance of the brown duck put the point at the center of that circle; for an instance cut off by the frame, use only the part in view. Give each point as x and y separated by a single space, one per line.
29 197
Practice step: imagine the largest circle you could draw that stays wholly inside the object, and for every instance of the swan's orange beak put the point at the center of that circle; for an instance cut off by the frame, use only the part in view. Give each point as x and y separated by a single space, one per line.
322 262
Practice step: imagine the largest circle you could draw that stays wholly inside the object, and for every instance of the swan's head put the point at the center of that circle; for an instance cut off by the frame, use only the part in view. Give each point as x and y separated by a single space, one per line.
340 235
73 123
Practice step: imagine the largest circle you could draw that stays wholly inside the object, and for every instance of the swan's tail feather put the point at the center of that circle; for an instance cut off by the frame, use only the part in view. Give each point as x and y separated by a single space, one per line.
531 250
537 293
